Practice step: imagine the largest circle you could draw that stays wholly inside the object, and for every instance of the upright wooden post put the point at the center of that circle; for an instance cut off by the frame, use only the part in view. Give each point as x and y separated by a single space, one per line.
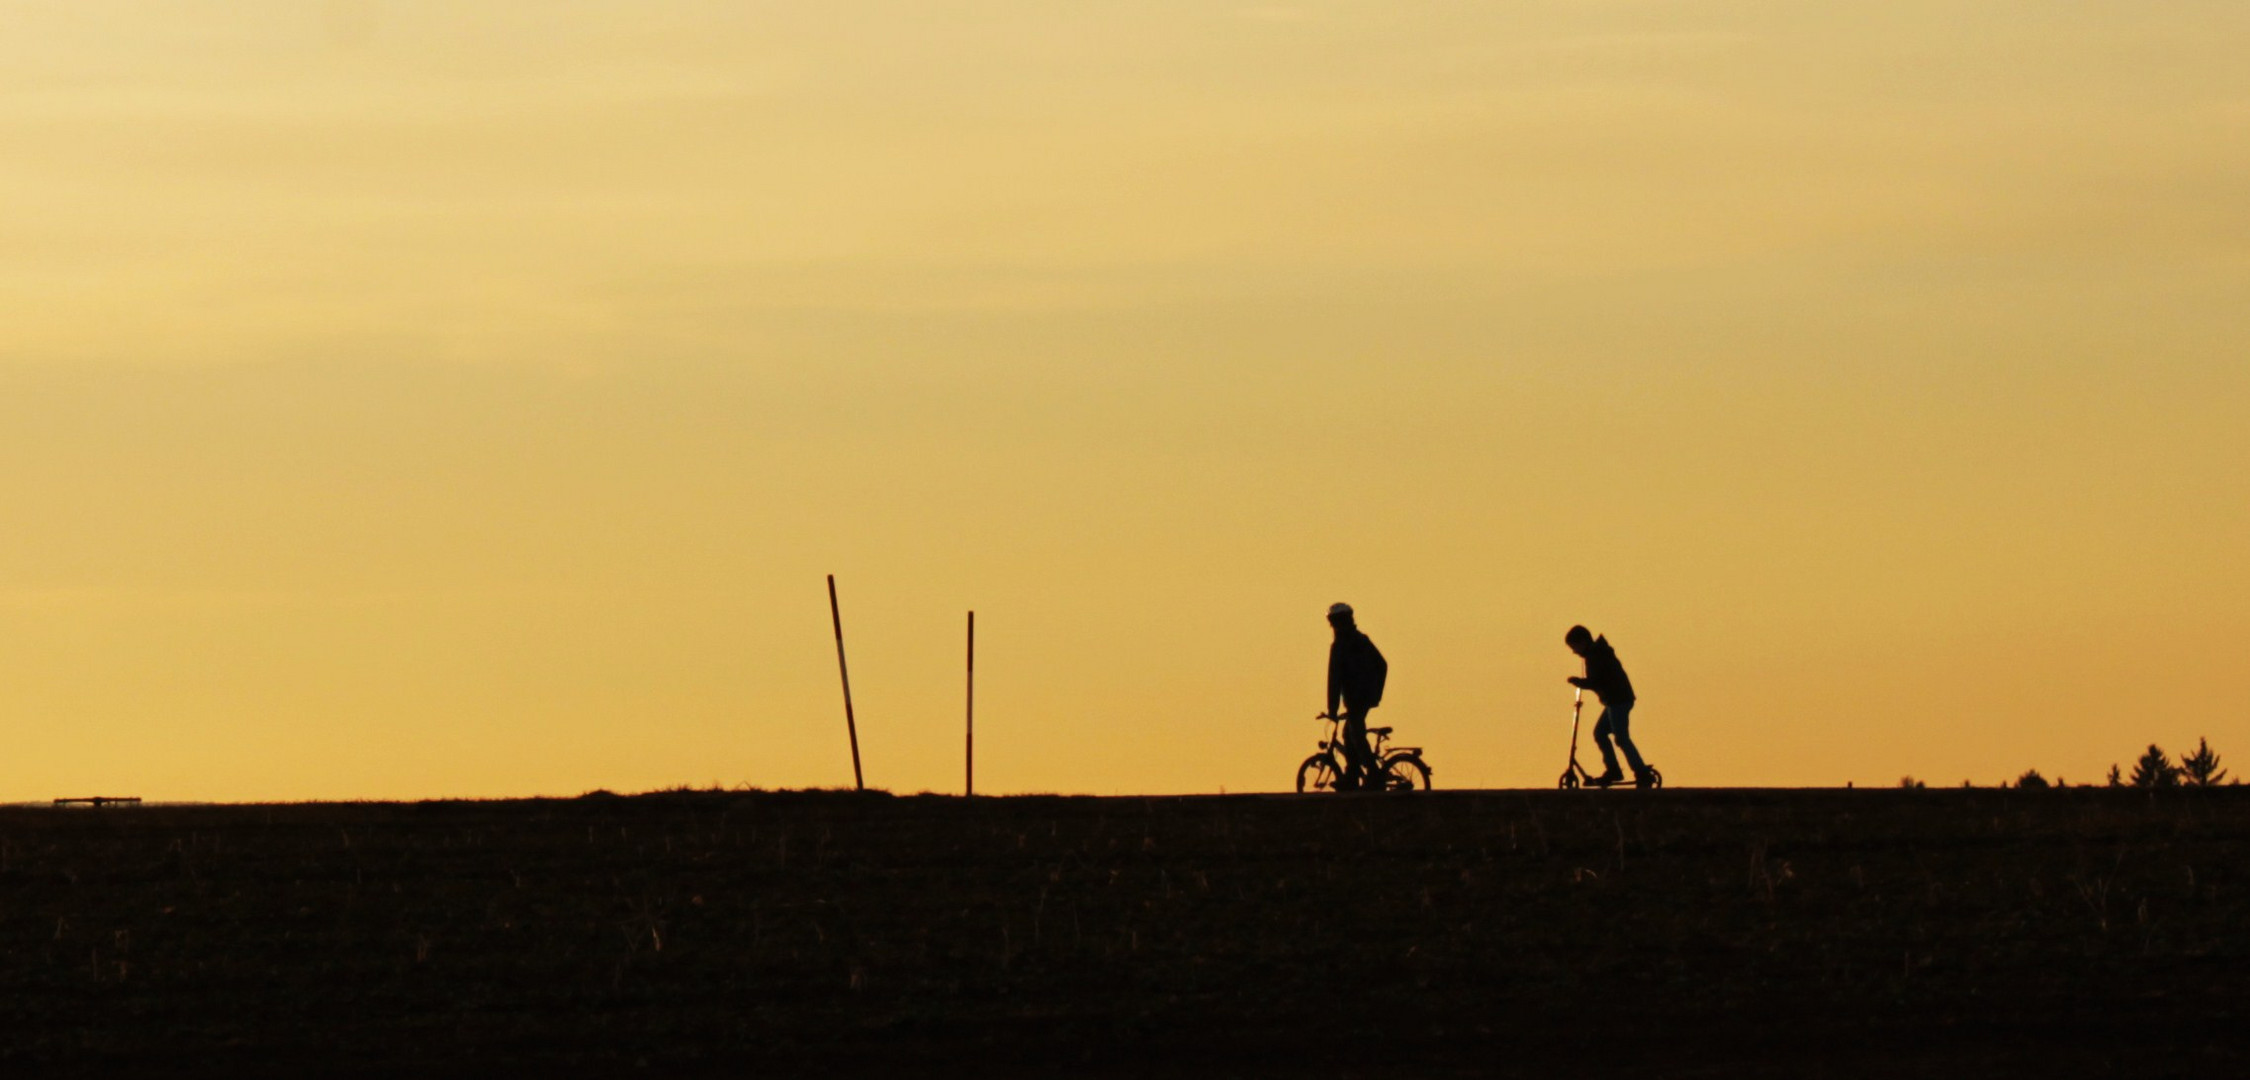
969 753
851 726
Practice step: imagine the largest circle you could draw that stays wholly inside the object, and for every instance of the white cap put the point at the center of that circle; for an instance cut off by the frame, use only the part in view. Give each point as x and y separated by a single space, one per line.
1339 609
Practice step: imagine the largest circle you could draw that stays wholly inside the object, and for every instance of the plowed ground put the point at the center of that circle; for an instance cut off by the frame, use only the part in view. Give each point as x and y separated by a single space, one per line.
1676 933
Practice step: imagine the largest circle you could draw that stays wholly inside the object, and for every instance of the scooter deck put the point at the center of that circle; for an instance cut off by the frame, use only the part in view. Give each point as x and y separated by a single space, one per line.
1577 779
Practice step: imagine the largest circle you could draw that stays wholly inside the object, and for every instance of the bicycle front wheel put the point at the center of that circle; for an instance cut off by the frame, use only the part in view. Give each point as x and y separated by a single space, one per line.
1318 773
1407 773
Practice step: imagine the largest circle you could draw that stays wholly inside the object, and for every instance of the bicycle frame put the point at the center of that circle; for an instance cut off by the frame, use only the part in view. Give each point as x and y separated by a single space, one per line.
1333 742
1382 751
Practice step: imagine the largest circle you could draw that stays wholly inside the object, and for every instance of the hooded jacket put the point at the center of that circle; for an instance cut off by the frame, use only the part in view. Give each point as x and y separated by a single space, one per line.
1605 676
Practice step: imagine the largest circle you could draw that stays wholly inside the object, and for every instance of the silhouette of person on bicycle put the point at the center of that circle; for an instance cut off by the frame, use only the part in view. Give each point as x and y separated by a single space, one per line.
1356 671
1605 676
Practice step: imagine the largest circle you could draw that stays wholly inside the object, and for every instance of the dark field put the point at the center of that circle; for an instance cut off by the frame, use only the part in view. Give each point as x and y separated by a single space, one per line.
1678 933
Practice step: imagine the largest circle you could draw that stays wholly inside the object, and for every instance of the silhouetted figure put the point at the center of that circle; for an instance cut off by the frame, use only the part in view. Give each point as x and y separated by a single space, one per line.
1356 671
1606 678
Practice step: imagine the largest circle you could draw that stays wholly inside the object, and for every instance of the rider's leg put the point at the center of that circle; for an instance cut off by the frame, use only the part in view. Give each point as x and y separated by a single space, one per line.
1359 765
1620 719
1601 739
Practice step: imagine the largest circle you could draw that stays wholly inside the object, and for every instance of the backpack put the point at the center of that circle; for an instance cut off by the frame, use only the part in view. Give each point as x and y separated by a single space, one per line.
1375 672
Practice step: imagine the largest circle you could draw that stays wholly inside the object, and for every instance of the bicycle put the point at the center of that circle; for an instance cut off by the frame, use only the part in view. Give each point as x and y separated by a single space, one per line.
1401 767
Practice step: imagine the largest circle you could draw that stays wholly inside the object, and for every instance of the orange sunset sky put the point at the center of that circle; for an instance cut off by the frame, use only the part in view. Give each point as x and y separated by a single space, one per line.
407 399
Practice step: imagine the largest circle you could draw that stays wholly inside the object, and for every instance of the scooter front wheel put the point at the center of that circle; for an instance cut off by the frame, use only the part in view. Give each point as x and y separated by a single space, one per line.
1569 781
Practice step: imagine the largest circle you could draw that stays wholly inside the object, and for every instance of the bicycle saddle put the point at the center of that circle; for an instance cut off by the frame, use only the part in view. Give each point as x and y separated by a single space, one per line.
1378 731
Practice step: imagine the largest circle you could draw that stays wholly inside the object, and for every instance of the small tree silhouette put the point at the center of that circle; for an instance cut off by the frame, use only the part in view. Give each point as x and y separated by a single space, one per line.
2202 767
2155 769
2031 780
2115 779
1910 782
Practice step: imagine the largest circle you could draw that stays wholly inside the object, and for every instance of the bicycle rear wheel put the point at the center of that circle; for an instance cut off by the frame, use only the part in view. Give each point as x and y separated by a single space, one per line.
1318 773
1406 772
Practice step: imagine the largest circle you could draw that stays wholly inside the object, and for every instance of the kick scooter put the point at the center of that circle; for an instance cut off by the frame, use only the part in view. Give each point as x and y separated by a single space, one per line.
1576 775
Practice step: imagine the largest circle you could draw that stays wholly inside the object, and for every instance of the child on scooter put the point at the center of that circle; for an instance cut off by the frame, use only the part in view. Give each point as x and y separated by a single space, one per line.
1605 676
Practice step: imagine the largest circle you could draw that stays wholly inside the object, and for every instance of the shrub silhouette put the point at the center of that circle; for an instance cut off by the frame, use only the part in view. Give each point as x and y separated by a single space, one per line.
2031 780
2155 769
2201 768
1909 782
2115 780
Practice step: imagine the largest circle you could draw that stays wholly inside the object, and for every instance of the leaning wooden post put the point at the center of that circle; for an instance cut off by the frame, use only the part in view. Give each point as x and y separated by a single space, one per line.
969 752
851 726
